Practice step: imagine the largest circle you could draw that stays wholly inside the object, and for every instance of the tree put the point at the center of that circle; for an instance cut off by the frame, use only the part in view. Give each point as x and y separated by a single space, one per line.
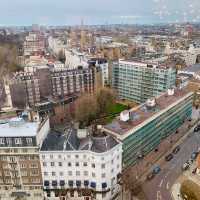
105 98
61 56
8 59
85 109
190 190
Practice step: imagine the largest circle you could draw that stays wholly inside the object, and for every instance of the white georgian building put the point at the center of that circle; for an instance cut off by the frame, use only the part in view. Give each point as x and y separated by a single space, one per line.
77 168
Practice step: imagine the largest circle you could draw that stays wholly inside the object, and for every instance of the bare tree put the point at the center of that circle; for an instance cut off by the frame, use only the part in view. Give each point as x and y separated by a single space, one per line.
86 109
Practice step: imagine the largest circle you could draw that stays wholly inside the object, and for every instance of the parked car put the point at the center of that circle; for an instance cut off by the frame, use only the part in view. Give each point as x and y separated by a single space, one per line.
176 150
194 155
197 128
156 170
194 171
169 157
185 166
150 176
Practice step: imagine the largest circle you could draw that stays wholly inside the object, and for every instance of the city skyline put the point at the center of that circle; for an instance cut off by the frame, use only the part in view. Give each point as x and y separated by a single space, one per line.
21 12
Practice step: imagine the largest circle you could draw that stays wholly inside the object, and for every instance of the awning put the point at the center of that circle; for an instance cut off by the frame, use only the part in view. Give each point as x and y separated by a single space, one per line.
54 183
62 183
86 183
93 184
70 183
78 183
104 185
46 183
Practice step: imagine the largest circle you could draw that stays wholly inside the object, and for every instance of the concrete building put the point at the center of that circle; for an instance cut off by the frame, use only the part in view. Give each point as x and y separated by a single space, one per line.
142 128
42 82
20 170
34 43
139 81
76 166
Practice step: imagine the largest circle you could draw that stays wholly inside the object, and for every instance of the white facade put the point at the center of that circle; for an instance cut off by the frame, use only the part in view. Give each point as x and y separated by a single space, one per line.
96 168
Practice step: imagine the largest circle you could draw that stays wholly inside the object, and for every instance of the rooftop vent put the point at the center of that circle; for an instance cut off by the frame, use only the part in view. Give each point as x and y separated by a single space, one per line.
151 102
170 92
124 115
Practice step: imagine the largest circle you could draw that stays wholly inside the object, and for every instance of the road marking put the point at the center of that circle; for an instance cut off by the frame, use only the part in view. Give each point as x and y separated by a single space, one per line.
167 186
161 182
159 197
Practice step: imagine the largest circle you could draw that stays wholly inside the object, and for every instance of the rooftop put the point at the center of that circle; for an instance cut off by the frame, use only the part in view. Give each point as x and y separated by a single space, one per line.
193 69
17 127
68 141
141 113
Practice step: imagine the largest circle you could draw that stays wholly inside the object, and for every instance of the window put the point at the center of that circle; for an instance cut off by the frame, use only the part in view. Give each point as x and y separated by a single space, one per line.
70 173
61 173
9 141
52 164
51 156
60 164
85 164
59 156
103 166
103 175
45 173
69 164
112 170
77 164
93 165
112 161
23 165
77 173
43 157
85 173
29 141
18 141
76 156
118 166
118 157
93 174
44 164
53 173
2 141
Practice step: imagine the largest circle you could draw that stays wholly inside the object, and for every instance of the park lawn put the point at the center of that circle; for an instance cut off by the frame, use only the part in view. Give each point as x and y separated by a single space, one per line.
116 108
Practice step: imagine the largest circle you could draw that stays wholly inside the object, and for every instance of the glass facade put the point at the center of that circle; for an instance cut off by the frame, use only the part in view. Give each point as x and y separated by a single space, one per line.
148 137
138 83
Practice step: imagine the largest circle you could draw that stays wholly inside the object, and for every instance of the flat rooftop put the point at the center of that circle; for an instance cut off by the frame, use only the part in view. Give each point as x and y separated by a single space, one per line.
194 68
17 127
141 113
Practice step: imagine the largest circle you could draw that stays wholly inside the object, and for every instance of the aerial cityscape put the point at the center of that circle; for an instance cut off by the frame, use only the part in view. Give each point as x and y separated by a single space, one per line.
100 100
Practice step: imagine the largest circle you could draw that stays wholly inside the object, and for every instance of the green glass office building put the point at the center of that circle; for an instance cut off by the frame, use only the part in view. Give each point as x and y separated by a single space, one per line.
147 126
137 81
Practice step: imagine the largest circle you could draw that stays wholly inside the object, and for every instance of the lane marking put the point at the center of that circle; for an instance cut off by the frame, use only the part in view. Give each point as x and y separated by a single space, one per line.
167 186
159 197
161 182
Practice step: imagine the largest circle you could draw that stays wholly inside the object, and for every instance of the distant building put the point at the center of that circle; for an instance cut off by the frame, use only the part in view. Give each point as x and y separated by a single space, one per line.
42 82
20 170
76 166
34 43
139 81
141 129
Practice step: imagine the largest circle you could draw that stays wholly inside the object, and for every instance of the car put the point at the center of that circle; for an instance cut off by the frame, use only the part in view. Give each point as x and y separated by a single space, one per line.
156 170
169 157
194 171
176 150
194 155
185 166
150 176
197 128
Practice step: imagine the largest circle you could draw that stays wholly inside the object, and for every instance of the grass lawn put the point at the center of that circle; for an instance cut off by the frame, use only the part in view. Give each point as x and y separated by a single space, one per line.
116 108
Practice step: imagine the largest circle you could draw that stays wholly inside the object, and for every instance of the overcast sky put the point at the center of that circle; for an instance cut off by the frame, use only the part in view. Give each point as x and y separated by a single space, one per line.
70 12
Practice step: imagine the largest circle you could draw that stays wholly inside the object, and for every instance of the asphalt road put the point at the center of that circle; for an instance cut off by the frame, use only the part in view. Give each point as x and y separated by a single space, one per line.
159 187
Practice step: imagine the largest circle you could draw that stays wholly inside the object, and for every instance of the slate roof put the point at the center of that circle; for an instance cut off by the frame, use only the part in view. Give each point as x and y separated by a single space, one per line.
68 141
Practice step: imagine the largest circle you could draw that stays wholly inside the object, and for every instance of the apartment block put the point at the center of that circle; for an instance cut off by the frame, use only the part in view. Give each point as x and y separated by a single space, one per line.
142 128
20 169
137 81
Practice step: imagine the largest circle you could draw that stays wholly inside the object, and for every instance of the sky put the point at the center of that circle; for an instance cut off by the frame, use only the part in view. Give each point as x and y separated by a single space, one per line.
72 12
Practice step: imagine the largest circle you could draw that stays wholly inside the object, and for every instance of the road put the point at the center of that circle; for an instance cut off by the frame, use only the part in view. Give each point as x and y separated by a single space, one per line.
159 187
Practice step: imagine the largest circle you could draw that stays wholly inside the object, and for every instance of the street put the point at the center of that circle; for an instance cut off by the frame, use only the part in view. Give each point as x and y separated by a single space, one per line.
159 187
